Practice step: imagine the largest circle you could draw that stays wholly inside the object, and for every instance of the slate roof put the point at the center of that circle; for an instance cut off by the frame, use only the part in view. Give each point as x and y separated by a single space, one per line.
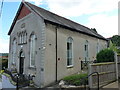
61 21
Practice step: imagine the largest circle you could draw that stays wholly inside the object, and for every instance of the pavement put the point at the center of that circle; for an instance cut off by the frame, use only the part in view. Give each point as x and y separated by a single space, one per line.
6 83
113 85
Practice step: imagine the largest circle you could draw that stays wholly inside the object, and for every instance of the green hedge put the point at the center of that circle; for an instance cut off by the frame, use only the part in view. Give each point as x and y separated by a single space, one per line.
106 55
77 79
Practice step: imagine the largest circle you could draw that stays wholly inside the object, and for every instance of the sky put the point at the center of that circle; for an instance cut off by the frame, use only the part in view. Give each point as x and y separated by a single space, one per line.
99 14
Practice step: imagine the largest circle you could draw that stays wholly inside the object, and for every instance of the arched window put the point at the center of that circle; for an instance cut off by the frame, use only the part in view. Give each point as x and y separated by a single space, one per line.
14 51
86 51
32 50
22 36
20 39
25 37
69 51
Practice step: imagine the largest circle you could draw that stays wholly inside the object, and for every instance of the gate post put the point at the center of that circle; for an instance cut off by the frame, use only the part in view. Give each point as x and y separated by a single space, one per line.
116 64
90 78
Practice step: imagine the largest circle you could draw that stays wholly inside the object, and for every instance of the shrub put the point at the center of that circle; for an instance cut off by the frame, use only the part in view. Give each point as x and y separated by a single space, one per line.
77 79
106 55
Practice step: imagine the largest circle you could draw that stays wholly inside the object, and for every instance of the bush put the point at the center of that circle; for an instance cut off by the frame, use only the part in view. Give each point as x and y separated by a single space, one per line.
77 79
106 55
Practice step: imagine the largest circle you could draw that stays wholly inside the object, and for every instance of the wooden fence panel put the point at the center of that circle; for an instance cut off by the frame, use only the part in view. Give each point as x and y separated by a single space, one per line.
118 58
107 73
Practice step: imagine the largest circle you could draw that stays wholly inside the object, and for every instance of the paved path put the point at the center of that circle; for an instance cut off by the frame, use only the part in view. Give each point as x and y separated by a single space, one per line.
6 83
112 85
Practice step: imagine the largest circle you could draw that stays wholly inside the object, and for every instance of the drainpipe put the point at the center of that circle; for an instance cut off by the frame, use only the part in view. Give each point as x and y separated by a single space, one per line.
56 53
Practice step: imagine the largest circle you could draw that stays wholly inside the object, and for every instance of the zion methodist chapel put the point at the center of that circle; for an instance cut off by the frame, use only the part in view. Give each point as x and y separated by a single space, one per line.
49 46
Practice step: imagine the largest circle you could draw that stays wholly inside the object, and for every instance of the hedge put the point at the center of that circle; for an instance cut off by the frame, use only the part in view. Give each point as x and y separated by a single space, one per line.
106 55
77 79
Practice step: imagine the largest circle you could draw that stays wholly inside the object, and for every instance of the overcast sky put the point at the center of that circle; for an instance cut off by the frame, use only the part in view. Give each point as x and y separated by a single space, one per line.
99 14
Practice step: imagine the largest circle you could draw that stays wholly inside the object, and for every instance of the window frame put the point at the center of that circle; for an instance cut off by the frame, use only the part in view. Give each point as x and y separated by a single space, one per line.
33 41
14 50
70 41
86 50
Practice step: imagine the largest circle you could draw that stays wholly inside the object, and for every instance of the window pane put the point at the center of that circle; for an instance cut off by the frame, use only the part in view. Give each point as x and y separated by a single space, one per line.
70 61
20 39
69 51
32 50
86 51
67 46
14 50
67 61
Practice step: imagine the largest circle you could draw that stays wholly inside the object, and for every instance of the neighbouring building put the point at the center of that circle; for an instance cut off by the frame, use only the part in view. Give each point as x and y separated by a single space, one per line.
50 46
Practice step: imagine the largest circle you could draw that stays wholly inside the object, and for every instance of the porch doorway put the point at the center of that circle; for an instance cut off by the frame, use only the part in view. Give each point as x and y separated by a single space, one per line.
21 63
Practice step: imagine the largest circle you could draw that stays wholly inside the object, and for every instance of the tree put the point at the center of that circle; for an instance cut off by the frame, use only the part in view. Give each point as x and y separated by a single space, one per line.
115 44
106 55
116 40
93 30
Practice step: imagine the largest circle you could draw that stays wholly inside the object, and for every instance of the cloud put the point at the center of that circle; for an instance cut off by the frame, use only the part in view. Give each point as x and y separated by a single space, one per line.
73 8
105 25
98 10
4 46
37 2
4 43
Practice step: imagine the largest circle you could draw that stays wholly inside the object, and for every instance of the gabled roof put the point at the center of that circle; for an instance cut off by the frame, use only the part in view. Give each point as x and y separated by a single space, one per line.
58 20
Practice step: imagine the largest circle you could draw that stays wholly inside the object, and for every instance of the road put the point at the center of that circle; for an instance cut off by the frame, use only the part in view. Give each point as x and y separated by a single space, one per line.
6 83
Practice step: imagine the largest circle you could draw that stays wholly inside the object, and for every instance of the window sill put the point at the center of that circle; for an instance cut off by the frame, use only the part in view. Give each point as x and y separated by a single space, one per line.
32 67
70 66
22 43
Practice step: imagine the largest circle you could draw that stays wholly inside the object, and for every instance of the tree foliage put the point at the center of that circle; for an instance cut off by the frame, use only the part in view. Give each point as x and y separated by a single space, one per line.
114 44
106 55
116 40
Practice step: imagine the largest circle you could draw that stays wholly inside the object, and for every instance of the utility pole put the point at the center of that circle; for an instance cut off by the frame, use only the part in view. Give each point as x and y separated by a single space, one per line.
1 8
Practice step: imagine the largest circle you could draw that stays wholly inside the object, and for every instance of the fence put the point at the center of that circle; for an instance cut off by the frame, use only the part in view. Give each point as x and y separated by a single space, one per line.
107 73
118 58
